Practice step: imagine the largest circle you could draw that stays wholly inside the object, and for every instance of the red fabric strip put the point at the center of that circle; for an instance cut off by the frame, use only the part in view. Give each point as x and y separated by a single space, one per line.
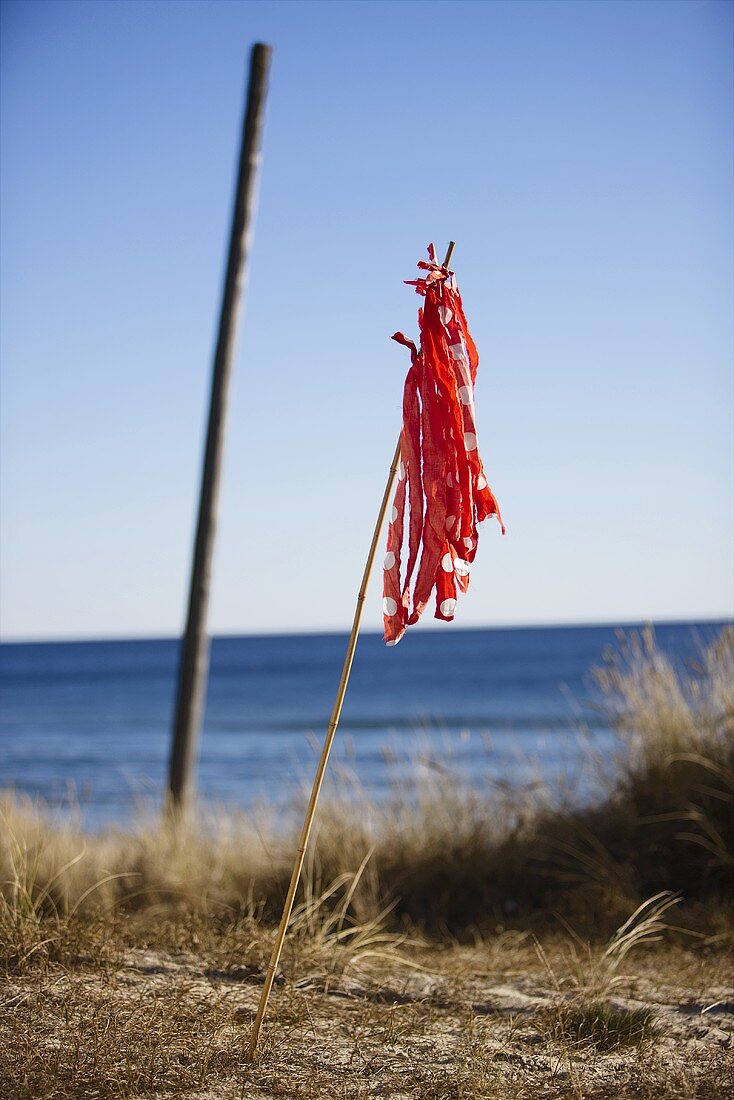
442 487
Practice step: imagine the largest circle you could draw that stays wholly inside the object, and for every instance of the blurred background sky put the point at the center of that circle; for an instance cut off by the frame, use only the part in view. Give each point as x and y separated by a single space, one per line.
580 154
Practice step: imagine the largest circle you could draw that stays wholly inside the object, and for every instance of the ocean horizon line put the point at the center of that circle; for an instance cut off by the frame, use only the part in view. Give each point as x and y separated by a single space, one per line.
428 627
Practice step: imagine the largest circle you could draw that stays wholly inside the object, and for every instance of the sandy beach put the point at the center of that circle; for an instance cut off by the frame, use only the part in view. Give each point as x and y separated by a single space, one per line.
508 1017
466 944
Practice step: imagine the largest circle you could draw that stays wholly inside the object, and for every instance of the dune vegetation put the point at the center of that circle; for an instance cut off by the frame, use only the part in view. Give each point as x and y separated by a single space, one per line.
455 943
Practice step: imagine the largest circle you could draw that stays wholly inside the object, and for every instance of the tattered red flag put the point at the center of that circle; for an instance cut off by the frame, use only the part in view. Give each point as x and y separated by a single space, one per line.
441 482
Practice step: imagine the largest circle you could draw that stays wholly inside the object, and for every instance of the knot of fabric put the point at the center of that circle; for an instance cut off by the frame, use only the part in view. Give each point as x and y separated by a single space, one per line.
437 273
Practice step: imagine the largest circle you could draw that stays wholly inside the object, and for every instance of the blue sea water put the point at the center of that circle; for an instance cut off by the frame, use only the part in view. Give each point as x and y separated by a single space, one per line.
91 720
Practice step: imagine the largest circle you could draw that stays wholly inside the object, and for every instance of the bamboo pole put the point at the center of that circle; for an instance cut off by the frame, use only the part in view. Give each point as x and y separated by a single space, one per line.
328 742
194 662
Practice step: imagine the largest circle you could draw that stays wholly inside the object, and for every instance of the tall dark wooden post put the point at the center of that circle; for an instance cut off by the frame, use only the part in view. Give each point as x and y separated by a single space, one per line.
194 662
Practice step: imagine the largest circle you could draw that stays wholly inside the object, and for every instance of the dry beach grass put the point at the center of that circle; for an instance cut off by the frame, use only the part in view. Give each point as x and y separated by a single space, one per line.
460 945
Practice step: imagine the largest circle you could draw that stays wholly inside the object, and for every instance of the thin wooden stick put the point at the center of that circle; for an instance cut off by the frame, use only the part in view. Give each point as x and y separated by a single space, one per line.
329 740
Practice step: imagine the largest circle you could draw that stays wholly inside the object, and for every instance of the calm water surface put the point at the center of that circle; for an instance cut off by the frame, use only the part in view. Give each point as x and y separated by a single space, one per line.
92 719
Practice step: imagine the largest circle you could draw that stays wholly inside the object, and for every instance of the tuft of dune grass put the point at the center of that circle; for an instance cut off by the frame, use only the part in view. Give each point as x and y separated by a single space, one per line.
601 1025
449 861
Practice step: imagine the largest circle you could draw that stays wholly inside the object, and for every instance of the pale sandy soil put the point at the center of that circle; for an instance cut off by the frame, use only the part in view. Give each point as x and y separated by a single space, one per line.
474 1022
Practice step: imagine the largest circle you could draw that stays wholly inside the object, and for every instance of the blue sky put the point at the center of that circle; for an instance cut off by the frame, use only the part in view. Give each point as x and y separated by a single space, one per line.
581 156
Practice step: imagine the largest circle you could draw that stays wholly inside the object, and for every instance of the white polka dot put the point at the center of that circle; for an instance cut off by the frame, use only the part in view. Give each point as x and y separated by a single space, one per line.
447 607
461 567
470 441
465 395
389 560
469 543
401 472
449 481
445 314
458 352
447 564
481 482
393 515
389 606
394 641
450 521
